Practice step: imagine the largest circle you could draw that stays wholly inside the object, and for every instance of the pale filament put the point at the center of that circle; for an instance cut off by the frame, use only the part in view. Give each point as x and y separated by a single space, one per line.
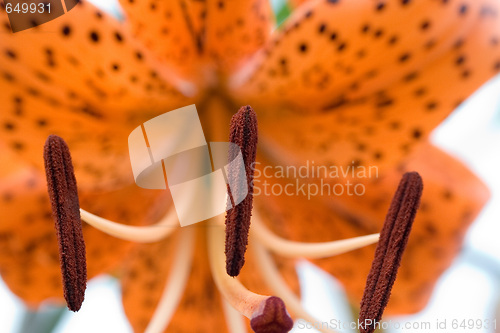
278 285
176 283
244 301
293 249
141 234
234 319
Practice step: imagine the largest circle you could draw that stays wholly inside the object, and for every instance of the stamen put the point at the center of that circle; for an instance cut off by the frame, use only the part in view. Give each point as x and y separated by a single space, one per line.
234 320
273 278
251 305
176 283
272 318
63 194
393 240
145 234
244 134
293 249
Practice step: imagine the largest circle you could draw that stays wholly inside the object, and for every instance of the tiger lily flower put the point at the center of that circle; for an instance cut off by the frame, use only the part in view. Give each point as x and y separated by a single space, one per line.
340 83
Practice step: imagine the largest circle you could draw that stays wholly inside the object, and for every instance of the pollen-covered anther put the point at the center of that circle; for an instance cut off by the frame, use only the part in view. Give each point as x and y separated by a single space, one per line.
243 132
63 194
272 317
393 239
265 312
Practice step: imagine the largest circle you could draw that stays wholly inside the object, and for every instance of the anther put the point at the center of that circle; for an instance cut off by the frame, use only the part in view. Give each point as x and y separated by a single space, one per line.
393 239
61 184
243 132
273 317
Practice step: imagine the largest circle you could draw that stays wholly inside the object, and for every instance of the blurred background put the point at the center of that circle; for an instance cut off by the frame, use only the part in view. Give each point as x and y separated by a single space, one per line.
469 290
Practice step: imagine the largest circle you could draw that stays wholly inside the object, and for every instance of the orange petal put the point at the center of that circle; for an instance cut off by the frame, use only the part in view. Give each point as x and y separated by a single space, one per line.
296 3
235 30
426 54
251 274
452 198
170 29
382 128
379 131
143 280
99 151
67 85
90 63
30 262
147 269
224 33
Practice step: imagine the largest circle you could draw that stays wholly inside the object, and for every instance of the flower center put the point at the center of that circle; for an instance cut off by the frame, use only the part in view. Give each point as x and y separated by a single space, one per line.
267 313
215 109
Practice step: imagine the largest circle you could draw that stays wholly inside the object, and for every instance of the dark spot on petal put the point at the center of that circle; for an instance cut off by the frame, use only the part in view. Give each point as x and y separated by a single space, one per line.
393 40
66 30
16 145
460 60
10 54
416 133
380 6
430 44
9 126
41 122
395 125
118 37
425 25
410 77
420 91
94 36
404 57
463 9
431 106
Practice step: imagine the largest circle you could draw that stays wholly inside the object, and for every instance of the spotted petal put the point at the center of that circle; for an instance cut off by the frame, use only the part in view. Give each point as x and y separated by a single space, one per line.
29 263
296 3
235 30
376 119
218 35
452 198
170 29
338 52
144 277
75 76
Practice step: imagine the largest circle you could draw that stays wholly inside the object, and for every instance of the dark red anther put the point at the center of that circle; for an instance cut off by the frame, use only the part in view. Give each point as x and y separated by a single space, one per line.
392 243
63 195
244 134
